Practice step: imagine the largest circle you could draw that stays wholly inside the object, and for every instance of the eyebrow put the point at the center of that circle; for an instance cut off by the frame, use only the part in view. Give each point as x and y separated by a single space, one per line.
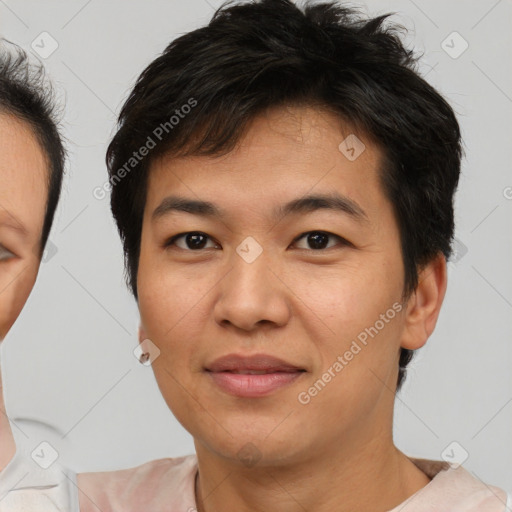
303 205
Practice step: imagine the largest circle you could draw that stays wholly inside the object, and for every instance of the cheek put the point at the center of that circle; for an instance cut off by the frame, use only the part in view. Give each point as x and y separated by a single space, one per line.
16 284
359 360
168 304
359 309
347 299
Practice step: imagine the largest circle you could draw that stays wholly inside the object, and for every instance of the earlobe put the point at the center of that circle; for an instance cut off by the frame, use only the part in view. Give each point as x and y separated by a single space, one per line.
424 304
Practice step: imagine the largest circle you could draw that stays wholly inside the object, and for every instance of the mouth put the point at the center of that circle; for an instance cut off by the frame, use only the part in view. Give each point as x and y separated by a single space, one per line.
253 376
259 372
253 363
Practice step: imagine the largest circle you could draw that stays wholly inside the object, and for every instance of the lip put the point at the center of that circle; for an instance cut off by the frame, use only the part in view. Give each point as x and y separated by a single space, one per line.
256 362
231 374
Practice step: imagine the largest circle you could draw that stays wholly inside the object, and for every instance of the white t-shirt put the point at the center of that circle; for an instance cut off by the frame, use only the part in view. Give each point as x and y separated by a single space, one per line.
35 480
25 486
167 485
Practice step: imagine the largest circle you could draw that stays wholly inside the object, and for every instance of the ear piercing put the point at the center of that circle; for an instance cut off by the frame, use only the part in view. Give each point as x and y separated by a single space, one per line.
144 357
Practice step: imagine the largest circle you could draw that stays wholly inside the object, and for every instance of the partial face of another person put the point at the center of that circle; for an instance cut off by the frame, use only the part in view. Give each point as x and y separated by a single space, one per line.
23 195
300 286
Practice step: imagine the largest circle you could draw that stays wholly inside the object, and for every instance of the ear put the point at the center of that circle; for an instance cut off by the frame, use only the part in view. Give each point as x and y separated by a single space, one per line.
424 304
142 333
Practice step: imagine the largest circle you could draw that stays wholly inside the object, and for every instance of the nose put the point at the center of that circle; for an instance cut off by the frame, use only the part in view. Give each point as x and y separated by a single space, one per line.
251 295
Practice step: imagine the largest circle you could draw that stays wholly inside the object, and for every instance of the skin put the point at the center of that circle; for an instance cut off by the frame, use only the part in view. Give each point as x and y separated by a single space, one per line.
23 193
302 305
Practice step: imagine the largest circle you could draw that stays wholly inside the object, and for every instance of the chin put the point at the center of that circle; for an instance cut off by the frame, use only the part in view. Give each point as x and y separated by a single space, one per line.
253 450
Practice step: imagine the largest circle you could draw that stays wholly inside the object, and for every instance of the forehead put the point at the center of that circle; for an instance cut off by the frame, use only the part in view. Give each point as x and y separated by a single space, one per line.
23 175
284 152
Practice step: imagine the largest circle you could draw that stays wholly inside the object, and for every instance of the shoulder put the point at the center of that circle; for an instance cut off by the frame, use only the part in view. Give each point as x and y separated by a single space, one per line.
150 486
457 489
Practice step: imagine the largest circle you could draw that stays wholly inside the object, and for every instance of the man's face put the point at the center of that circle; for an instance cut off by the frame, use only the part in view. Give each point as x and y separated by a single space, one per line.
23 193
301 287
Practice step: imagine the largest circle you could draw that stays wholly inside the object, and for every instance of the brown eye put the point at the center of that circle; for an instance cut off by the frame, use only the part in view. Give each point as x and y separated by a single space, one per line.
318 240
193 240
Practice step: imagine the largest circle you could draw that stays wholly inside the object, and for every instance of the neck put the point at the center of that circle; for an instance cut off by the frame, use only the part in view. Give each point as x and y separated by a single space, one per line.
368 475
7 446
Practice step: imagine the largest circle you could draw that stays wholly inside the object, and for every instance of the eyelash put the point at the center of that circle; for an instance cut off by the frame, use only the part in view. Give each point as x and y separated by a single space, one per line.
343 242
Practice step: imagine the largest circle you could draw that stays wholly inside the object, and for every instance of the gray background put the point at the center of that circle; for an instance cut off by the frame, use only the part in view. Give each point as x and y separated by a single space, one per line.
68 360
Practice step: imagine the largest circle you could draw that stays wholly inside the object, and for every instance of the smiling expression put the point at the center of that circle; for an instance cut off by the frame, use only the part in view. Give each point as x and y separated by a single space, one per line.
324 264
